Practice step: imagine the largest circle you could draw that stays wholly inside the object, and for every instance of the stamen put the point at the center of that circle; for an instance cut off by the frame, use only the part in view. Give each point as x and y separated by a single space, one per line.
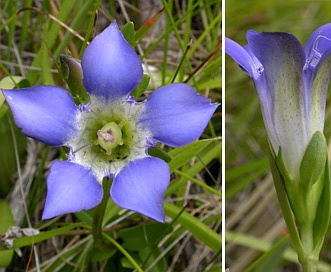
106 135
110 136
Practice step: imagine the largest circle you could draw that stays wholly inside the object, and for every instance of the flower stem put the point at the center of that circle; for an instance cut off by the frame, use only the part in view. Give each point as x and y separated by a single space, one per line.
98 216
309 263
308 260
306 233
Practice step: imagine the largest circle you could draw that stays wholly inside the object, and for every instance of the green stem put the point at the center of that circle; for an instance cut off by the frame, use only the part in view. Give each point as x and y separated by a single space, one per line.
98 216
308 260
307 237
309 263
125 253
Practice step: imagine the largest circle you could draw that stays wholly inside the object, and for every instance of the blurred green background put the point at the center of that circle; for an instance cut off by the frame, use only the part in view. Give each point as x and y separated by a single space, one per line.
256 233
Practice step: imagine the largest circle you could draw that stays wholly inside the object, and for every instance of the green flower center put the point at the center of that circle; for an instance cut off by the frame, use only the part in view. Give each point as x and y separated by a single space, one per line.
110 136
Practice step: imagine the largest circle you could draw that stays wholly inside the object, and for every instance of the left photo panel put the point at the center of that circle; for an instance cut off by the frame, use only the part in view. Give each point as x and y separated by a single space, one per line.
111 135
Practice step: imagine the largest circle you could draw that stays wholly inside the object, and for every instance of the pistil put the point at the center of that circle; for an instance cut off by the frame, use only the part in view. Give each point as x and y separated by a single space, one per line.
110 136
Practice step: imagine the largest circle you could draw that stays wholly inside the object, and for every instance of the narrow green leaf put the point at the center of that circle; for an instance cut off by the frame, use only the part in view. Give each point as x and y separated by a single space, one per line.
270 259
264 246
159 153
201 184
78 22
206 155
89 28
125 253
2 99
182 155
6 255
215 268
253 170
143 30
151 254
50 36
128 33
45 64
30 240
201 231
3 109
7 219
6 222
25 26
8 158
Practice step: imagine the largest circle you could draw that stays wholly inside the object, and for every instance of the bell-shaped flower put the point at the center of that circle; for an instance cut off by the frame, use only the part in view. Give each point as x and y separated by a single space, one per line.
291 83
111 134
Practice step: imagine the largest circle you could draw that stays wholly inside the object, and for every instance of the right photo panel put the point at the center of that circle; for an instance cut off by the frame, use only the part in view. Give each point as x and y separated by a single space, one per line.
278 108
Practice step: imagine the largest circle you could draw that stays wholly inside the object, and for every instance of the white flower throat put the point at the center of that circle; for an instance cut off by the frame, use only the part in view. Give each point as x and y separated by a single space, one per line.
109 136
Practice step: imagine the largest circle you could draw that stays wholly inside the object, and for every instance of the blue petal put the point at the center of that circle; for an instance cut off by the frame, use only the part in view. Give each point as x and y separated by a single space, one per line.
176 114
140 186
45 113
276 50
70 188
248 62
111 67
283 59
318 46
316 75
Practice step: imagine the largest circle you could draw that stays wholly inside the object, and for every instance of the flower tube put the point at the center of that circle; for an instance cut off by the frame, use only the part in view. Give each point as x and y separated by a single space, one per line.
291 82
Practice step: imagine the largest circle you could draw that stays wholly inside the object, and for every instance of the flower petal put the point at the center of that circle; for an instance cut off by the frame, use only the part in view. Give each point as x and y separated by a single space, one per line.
246 59
316 75
248 62
70 188
111 67
318 46
46 113
283 59
140 186
176 114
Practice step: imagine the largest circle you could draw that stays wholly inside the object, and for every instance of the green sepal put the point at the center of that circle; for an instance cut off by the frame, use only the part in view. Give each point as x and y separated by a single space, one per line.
283 199
291 186
159 153
282 167
305 202
142 86
322 219
313 161
128 33
72 73
305 191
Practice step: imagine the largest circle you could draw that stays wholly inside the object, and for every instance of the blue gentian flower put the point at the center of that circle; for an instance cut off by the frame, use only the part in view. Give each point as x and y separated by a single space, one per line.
291 83
109 136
